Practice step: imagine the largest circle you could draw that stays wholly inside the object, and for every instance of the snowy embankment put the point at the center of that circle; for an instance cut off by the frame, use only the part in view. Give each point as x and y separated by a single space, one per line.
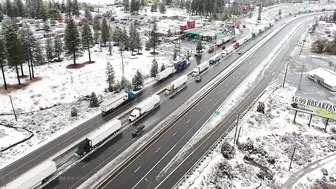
64 88
238 95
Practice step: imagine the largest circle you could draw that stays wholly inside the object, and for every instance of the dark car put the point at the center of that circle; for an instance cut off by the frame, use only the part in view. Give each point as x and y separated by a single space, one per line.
198 78
138 131
239 52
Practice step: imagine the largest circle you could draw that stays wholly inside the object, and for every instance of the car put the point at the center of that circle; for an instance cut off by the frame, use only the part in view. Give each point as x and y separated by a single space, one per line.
198 79
239 52
138 131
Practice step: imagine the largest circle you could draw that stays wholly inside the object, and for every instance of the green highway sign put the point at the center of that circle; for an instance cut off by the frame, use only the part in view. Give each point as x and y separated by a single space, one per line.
217 112
177 45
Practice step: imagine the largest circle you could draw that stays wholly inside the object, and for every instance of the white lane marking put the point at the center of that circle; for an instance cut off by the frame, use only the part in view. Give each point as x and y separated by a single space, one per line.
157 150
174 134
85 165
110 146
218 92
199 110
55 187
136 169
188 120
210 100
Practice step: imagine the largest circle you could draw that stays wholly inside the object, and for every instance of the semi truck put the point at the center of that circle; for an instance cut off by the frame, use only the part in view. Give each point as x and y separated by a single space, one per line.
226 39
34 177
144 107
97 137
176 84
165 73
200 68
116 100
180 64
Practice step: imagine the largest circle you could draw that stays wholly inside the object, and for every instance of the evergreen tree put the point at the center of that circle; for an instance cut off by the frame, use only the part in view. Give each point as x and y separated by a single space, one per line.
96 23
280 12
162 8
87 38
27 44
133 6
162 67
75 8
14 55
132 38
138 80
154 68
182 4
9 9
53 22
96 35
38 56
1 16
125 84
43 13
110 76
93 100
3 60
153 8
154 42
105 32
126 5
63 7
123 38
88 14
46 27
20 8
49 49
69 8
168 2
259 12
116 34
58 46
199 47
54 14
147 46
138 42
72 40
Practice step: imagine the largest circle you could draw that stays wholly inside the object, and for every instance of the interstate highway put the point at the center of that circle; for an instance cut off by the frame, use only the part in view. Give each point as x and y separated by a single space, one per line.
142 172
80 172
18 167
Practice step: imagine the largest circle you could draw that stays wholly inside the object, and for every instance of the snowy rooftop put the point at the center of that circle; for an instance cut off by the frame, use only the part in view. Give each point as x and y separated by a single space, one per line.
328 76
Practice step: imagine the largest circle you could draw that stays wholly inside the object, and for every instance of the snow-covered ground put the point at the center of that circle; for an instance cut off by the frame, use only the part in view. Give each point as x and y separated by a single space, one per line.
269 138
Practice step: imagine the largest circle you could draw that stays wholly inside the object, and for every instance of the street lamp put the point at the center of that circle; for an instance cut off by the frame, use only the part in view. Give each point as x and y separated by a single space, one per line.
301 76
150 182
122 47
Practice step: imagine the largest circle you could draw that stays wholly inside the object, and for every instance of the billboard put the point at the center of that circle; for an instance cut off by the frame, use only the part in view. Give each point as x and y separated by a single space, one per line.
316 107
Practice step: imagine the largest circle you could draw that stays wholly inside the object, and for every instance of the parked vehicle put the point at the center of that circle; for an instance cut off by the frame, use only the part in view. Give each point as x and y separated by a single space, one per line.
165 73
181 64
97 137
176 84
144 107
226 39
200 68
198 78
34 177
240 52
253 35
116 100
218 43
211 48
215 59
236 45
138 131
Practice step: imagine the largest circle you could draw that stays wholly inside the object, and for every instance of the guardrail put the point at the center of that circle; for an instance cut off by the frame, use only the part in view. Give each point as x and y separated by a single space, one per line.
231 67
221 138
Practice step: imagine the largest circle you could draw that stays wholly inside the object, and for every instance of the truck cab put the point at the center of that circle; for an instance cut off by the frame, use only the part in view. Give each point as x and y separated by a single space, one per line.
134 115
83 148
169 90
138 131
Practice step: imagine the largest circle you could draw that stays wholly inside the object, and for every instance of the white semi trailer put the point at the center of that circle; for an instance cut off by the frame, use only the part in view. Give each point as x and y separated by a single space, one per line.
144 107
165 73
200 68
176 84
34 177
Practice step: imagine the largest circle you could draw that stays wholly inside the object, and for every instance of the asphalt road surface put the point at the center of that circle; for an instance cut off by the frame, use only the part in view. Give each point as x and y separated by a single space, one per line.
17 168
144 170
85 169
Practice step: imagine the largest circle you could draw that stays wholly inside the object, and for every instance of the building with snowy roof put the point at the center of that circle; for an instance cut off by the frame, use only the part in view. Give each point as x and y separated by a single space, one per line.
325 77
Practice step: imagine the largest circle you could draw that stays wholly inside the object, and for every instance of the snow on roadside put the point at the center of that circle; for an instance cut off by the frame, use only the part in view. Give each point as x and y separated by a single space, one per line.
238 95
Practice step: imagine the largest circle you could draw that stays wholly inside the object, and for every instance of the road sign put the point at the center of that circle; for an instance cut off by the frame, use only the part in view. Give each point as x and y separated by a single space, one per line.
217 112
177 45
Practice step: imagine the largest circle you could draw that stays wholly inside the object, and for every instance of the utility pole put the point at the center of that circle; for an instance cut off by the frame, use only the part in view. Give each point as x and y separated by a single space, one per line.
283 84
235 136
238 135
301 77
303 43
10 98
290 165
122 46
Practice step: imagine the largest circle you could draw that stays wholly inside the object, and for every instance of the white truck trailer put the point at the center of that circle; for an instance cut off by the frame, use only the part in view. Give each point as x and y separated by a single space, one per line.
165 73
200 68
143 107
176 84
34 177
226 39
114 101
98 136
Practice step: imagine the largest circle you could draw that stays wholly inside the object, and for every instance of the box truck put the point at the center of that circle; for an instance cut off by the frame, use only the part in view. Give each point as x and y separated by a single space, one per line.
176 84
180 64
165 73
226 39
34 177
97 137
200 68
144 107
115 100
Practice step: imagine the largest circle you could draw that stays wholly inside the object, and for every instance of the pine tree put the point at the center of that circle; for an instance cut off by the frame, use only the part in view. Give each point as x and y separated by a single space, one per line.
27 40
182 4
3 60
133 6
14 55
93 100
105 32
54 15
58 46
259 12
9 9
138 80
88 15
125 84
75 8
163 8
87 38
72 40
69 8
126 5
49 49
154 42
96 24
124 39
46 27
138 42
162 67
96 35
199 47
280 12
110 76
132 38
63 7
38 56
1 16
154 68
20 8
